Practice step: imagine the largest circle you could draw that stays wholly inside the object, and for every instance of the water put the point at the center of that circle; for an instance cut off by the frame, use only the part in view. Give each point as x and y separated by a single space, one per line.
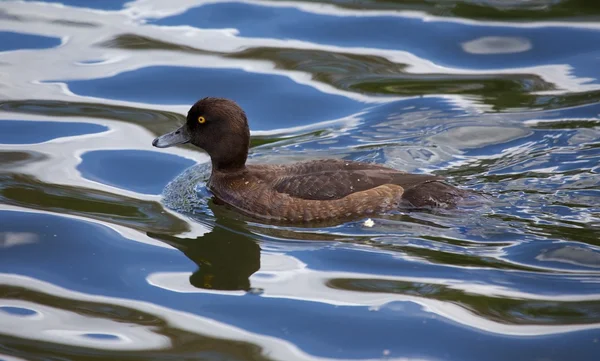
111 249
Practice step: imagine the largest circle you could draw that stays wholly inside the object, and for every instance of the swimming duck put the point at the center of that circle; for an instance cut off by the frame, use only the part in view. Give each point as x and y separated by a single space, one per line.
307 191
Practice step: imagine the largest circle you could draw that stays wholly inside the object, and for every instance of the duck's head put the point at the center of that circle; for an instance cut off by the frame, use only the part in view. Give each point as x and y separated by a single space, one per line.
217 125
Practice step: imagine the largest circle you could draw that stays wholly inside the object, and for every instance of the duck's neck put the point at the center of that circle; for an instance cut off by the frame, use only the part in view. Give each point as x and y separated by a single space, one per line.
228 167
230 158
229 154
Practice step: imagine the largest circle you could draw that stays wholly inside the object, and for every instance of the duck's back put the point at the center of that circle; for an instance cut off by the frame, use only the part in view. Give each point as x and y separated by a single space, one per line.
334 179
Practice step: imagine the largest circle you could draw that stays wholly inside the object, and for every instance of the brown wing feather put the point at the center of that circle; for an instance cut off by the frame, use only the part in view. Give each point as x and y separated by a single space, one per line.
280 206
335 179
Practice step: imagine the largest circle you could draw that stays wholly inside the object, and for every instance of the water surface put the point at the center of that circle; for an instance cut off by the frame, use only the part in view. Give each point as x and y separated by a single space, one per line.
112 249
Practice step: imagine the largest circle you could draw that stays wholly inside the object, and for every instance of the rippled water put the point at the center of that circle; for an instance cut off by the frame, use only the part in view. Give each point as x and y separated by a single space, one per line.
99 261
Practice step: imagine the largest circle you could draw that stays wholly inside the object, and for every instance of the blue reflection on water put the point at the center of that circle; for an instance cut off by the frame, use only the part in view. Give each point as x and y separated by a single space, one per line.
136 170
82 255
96 4
18 41
101 336
30 132
17 311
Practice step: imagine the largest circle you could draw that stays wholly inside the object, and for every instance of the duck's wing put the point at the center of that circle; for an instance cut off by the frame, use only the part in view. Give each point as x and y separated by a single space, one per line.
342 181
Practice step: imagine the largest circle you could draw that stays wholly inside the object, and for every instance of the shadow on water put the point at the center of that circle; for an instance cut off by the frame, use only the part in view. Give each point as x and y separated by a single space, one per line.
226 256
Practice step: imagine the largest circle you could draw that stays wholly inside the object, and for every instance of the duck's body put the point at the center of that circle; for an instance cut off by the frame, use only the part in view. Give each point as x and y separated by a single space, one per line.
300 192
326 189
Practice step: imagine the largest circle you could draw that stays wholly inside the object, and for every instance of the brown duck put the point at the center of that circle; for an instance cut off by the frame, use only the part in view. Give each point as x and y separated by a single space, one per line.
315 190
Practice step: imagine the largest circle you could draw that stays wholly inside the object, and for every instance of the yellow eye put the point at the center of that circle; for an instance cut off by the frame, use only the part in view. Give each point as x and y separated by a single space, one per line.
201 120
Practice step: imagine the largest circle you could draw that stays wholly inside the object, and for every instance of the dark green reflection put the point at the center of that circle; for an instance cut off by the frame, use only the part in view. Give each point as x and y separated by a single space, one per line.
499 309
15 159
28 192
568 124
77 24
226 256
140 42
184 345
156 121
477 9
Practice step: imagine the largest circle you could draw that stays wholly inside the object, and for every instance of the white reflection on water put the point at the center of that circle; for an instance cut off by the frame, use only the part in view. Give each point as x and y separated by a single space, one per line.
12 239
468 136
572 255
10 358
58 325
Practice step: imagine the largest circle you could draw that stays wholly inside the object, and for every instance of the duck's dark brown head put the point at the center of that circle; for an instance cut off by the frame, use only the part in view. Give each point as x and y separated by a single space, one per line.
217 125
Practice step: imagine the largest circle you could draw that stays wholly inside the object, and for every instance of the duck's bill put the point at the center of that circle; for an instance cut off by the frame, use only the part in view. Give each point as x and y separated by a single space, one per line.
179 136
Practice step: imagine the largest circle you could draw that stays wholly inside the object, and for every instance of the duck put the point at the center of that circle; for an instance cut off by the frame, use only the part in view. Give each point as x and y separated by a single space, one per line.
306 191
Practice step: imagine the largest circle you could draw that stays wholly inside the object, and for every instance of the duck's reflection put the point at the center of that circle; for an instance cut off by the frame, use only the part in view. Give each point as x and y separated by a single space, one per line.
226 257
